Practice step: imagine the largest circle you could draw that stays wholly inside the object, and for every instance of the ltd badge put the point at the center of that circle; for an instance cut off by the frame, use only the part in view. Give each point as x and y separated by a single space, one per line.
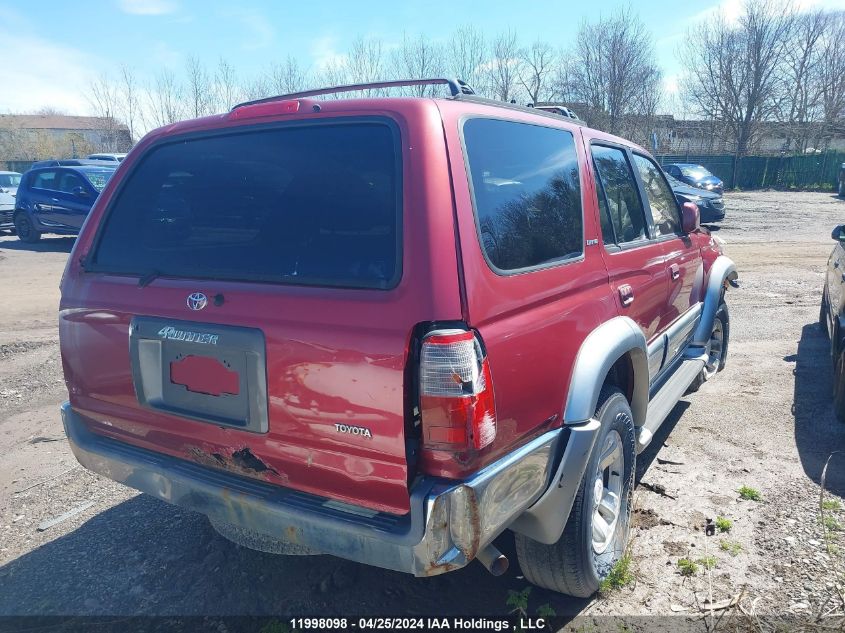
197 301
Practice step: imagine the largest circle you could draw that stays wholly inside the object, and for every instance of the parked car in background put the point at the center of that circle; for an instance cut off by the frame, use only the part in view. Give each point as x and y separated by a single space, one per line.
711 205
64 162
832 316
841 179
57 199
9 181
113 158
307 365
695 175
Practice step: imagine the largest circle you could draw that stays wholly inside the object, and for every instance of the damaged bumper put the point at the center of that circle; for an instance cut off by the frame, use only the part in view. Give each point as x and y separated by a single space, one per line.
449 522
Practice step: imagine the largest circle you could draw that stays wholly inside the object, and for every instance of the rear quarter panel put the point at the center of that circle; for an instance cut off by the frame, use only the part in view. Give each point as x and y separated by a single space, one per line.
532 323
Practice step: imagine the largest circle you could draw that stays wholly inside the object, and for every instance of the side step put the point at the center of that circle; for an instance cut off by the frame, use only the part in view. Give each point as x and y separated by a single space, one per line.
665 400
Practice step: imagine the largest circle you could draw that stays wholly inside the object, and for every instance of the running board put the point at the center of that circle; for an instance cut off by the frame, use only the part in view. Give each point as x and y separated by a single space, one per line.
661 405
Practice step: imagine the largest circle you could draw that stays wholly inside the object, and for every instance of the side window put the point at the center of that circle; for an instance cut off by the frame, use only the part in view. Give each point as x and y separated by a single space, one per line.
527 192
70 181
664 209
619 198
46 180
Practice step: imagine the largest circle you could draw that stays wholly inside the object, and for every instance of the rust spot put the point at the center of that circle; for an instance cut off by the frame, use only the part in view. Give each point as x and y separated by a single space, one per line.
243 462
246 460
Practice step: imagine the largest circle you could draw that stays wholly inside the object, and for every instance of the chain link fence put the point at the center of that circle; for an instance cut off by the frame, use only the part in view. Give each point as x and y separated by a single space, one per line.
797 171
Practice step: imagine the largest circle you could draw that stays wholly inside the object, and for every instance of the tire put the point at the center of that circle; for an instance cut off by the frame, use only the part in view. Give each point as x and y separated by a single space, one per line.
823 314
25 229
717 348
575 565
839 387
841 189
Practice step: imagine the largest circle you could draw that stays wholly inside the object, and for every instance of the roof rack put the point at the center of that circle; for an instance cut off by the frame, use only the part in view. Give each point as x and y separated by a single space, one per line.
456 86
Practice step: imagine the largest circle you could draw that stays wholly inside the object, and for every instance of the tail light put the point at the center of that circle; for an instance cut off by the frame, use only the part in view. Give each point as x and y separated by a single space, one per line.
457 408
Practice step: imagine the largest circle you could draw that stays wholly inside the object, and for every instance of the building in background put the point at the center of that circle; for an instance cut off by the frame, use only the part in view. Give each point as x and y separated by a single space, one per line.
25 138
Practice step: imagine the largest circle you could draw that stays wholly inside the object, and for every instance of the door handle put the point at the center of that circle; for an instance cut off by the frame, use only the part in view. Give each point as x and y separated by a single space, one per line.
626 295
675 271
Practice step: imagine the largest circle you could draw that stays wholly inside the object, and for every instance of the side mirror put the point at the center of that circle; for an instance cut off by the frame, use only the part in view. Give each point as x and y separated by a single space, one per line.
80 192
690 217
838 233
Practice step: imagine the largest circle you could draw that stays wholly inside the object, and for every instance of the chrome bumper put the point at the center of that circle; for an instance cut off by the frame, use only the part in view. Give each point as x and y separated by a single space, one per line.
449 522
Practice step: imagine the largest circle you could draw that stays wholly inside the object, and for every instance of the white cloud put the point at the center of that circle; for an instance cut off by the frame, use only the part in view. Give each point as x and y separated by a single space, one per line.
671 85
324 52
39 73
260 33
148 7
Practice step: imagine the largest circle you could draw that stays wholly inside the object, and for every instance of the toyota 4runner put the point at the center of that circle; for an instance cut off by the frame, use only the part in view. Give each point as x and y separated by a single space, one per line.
390 329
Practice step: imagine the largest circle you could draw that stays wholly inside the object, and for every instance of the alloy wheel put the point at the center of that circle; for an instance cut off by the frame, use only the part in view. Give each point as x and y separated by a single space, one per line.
607 494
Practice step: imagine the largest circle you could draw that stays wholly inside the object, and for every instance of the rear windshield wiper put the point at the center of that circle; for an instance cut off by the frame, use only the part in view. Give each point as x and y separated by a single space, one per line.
149 278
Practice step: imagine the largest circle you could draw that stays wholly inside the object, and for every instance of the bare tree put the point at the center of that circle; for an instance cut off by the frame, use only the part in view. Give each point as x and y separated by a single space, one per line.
227 93
800 93
130 106
614 70
832 74
198 85
734 71
166 99
538 63
287 77
105 101
419 58
465 57
504 67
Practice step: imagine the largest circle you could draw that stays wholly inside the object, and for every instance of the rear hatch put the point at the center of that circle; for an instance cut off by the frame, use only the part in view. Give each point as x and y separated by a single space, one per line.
245 296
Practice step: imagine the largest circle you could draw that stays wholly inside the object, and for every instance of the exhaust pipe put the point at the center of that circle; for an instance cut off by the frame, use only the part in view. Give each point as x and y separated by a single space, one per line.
495 562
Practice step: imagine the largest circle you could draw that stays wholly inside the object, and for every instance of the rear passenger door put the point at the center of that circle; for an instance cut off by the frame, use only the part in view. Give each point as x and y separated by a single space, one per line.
43 193
683 258
635 262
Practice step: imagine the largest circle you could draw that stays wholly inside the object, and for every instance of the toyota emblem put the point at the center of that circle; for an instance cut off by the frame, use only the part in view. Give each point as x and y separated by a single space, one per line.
197 301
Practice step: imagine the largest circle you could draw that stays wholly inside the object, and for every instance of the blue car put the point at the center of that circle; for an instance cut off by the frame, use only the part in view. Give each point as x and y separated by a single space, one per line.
695 175
57 199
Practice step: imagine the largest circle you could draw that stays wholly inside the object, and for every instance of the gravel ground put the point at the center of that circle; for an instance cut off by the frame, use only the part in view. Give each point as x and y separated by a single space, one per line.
766 422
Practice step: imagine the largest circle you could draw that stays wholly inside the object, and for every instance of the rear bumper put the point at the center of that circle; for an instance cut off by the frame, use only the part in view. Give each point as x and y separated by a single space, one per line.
449 522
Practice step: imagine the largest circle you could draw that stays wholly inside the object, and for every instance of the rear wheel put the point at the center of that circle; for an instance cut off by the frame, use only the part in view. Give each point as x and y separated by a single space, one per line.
596 534
25 229
716 349
841 189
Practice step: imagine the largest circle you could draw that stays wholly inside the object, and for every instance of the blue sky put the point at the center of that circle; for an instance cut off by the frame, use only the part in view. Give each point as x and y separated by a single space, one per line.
53 49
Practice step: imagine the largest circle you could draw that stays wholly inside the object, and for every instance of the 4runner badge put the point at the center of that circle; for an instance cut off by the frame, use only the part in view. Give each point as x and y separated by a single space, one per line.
353 430
172 334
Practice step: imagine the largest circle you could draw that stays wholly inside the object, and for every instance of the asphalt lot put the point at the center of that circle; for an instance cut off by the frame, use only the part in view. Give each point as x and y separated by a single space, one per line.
765 422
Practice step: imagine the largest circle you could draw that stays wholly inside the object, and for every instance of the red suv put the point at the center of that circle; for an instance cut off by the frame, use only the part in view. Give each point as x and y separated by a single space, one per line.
389 329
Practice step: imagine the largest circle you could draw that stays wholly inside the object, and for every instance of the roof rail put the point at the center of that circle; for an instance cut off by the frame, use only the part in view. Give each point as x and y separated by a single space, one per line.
456 86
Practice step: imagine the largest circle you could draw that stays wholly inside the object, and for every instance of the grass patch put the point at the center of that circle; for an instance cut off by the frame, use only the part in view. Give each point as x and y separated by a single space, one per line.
749 494
687 567
731 547
723 524
620 575
831 504
708 562
831 524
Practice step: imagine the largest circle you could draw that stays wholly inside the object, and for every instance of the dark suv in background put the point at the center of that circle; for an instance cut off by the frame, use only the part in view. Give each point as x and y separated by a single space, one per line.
710 205
695 175
57 199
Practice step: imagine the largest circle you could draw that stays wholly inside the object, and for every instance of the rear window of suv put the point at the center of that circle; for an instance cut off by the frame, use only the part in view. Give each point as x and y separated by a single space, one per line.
527 193
300 204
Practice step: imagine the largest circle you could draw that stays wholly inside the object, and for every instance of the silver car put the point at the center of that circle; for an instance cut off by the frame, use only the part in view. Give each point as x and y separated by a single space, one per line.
9 181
